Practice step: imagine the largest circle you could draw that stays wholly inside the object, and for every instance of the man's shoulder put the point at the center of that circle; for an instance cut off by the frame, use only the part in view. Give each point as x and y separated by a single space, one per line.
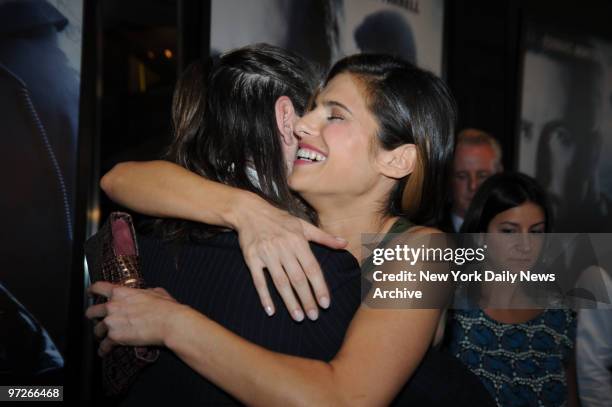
446 223
224 240
339 266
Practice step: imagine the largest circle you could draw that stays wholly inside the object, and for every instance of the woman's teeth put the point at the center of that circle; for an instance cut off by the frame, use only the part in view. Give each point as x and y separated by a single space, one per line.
309 155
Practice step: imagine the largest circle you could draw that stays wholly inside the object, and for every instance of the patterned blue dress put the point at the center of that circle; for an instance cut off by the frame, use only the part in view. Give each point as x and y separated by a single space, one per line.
519 364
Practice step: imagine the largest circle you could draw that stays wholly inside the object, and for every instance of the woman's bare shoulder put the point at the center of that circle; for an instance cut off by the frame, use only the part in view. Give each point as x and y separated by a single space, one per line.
419 235
423 230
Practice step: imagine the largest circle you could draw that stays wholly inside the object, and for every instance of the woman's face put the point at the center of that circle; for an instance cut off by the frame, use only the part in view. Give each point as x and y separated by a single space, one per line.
336 154
515 237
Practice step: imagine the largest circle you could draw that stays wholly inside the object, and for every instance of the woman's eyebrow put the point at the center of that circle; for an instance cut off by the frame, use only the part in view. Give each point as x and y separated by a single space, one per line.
331 103
516 224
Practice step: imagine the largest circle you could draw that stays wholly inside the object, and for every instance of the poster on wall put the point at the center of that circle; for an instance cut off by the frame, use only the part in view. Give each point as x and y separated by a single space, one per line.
326 30
565 136
40 54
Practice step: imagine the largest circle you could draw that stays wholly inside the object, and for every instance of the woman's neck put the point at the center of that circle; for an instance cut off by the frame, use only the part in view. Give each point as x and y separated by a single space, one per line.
349 215
350 222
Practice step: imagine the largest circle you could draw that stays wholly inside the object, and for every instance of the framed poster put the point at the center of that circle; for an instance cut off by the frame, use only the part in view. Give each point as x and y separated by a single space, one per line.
566 126
326 30
40 59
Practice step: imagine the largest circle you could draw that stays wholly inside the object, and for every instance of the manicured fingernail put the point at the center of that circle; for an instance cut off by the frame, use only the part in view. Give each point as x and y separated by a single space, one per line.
312 314
269 310
341 239
324 302
298 315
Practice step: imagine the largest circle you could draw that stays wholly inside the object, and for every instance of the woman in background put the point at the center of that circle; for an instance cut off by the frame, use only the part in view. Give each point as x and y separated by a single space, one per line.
524 355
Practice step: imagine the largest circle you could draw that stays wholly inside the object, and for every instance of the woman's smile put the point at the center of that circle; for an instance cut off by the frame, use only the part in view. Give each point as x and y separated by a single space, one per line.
335 134
309 154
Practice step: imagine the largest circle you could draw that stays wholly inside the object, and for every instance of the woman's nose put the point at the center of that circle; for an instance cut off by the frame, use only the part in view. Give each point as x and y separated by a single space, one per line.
306 126
524 243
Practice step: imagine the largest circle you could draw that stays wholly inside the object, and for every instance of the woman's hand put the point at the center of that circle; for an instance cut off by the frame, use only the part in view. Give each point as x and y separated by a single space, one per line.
131 316
269 237
273 239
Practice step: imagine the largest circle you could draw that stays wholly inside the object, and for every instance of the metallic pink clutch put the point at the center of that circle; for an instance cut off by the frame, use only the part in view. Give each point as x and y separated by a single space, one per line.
112 255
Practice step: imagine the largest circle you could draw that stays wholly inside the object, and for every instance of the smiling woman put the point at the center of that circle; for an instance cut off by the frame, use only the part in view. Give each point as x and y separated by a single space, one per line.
372 121
340 128
377 145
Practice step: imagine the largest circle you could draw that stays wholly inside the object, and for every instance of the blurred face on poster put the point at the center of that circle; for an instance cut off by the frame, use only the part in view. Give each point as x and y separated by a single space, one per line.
560 141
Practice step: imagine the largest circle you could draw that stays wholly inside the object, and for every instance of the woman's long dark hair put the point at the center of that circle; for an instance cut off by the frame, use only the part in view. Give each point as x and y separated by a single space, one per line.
228 124
412 106
500 192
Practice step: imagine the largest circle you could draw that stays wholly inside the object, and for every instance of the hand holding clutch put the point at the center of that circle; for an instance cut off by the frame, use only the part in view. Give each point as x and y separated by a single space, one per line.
112 255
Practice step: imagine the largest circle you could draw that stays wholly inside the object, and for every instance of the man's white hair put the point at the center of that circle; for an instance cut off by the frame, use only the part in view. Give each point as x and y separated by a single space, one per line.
471 136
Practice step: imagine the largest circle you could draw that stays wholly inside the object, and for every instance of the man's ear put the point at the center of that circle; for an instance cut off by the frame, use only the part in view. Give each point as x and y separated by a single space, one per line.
399 162
285 119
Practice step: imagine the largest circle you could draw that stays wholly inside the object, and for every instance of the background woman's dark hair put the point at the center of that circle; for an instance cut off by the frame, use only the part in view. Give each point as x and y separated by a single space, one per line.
225 122
411 106
501 192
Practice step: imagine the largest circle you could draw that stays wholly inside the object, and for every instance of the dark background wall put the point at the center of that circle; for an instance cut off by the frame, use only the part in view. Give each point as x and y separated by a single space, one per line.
482 58
483 55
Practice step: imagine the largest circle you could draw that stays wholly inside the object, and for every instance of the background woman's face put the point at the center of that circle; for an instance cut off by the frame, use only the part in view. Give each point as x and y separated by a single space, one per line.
335 153
515 237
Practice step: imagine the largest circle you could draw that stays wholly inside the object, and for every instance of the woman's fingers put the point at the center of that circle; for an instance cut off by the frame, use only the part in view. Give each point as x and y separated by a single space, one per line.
299 281
106 346
96 311
100 330
162 291
256 267
312 270
278 241
314 234
109 290
281 282
135 317
102 288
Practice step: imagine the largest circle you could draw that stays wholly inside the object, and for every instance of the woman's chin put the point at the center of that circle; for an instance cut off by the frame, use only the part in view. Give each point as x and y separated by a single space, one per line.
302 176
295 182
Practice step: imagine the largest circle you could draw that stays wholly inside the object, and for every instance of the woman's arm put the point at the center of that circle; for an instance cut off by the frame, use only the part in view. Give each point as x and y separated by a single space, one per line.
269 237
380 351
167 190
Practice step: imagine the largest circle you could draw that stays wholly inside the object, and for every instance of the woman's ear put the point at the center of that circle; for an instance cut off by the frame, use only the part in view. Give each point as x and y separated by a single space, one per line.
285 119
399 162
